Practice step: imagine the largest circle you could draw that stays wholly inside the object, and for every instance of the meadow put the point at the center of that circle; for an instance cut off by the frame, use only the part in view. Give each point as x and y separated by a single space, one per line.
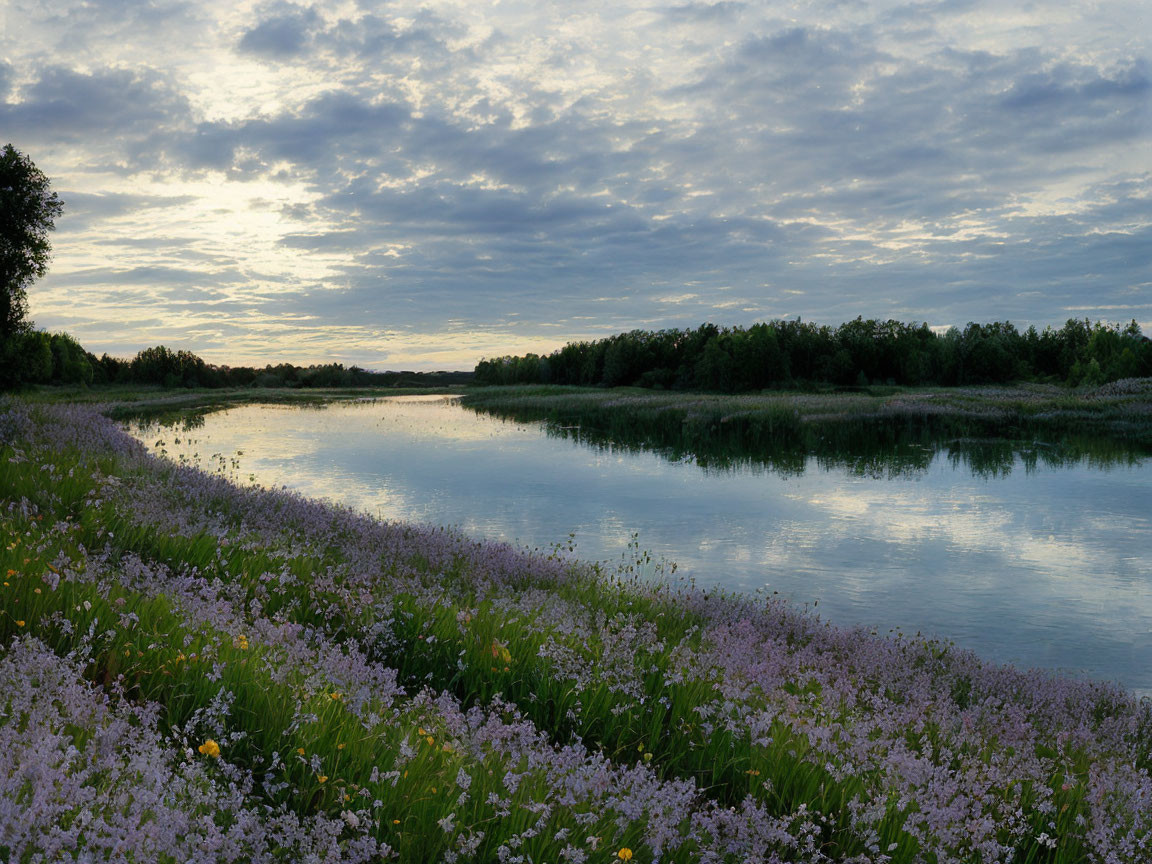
195 670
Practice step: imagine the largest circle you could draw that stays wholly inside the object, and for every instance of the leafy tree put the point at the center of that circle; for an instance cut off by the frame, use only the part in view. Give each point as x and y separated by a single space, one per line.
28 210
69 361
25 358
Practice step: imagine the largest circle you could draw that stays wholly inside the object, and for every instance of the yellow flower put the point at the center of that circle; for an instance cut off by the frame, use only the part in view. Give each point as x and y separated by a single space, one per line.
19 623
395 821
753 772
501 651
430 740
340 746
241 642
36 591
11 573
323 778
624 854
210 748
335 697
300 750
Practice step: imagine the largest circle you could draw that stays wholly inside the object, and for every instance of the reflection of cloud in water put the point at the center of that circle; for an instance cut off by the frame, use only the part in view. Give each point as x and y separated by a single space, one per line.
971 523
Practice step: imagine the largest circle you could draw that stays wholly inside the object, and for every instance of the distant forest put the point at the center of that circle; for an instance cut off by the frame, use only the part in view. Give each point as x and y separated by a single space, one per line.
36 357
857 353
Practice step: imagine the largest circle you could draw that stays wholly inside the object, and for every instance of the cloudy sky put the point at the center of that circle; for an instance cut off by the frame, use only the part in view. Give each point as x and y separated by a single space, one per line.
419 184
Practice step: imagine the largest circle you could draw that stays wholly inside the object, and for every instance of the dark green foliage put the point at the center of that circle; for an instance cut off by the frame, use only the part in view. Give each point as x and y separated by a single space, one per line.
28 210
34 357
25 358
69 361
167 368
855 354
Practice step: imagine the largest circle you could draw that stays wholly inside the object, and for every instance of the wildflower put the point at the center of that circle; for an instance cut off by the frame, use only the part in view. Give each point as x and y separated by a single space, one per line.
395 821
19 623
241 642
340 746
501 652
624 854
753 772
323 778
11 573
36 591
300 750
210 748
335 697
430 740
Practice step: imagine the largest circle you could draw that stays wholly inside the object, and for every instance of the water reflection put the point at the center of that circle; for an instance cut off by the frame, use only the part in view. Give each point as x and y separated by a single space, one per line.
880 447
1031 552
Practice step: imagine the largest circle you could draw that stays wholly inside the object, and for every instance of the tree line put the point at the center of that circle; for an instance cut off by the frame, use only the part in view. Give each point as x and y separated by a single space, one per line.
34 357
28 212
776 354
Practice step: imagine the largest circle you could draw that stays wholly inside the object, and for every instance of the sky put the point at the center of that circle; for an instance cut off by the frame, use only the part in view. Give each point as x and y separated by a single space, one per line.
417 185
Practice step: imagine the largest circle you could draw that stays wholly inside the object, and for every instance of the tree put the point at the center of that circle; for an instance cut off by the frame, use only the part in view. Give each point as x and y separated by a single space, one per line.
28 209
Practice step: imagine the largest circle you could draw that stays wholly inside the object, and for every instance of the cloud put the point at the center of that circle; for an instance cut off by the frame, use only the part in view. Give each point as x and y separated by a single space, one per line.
116 103
505 166
697 12
285 33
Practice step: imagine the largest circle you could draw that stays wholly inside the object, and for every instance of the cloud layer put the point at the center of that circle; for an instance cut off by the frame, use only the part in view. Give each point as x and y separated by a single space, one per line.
419 184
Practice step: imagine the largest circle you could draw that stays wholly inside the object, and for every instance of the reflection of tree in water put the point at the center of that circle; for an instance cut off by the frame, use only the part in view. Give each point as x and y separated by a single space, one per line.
877 447
173 417
146 420
997 458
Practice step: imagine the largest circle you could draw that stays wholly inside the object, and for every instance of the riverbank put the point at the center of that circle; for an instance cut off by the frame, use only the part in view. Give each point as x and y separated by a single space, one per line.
270 673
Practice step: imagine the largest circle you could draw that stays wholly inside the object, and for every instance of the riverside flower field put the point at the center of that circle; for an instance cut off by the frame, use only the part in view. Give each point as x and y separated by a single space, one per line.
193 670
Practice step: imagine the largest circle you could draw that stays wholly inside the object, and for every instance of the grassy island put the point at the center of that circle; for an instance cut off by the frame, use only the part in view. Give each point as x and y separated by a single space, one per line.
192 670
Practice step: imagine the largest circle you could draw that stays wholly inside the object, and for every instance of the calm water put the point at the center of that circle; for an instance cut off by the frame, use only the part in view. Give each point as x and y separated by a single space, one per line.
1037 564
